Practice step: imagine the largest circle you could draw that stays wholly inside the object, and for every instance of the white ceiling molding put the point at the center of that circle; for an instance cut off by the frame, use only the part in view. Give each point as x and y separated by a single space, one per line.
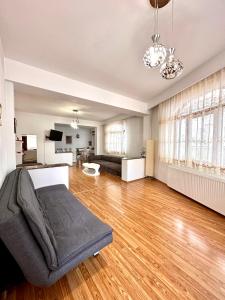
206 69
25 74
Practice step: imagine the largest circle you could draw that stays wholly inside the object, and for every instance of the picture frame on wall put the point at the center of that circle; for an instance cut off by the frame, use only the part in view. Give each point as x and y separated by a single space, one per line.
69 139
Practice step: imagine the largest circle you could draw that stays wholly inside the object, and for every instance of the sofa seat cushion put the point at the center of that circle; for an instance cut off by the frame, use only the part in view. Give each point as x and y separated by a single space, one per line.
74 227
28 202
111 165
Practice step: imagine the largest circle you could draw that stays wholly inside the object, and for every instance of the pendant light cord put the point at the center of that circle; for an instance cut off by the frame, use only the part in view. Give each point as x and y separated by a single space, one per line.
154 18
172 16
157 17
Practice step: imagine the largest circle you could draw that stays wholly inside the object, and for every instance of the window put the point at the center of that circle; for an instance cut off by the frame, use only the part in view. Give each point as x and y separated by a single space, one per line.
192 126
223 142
202 139
180 139
115 138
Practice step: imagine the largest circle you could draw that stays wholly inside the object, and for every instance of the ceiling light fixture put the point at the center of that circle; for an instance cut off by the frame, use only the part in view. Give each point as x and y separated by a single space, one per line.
158 55
173 67
75 122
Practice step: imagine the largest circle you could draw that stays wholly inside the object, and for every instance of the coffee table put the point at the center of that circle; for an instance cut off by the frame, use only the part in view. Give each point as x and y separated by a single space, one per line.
91 169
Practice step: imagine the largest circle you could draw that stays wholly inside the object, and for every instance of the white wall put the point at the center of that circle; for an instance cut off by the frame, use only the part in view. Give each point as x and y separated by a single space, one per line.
7 137
2 102
99 139
81 142
134 127
39 124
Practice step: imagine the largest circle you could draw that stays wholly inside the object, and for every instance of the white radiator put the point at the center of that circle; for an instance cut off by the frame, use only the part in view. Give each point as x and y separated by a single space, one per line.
208 190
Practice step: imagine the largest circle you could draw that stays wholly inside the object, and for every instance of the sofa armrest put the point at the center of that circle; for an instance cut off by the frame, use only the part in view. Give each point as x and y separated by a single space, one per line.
18 238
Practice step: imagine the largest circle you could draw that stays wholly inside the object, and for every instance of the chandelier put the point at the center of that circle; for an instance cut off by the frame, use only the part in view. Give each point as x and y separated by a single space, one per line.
156 54
172 67
159 56
75 122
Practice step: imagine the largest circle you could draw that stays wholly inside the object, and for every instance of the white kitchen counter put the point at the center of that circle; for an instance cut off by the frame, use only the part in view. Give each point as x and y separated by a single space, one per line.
61 158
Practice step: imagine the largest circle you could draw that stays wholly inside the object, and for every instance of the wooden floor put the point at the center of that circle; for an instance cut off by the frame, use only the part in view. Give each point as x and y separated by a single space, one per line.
165 246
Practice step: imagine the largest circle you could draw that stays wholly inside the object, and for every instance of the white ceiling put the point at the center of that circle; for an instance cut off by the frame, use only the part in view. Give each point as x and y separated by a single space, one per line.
102 42
35 100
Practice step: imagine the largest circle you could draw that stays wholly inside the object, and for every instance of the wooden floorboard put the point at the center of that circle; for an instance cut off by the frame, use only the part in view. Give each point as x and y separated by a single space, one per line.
165 246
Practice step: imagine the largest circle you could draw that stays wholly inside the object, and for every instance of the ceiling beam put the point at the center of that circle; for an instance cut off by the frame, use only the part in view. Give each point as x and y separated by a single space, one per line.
25 74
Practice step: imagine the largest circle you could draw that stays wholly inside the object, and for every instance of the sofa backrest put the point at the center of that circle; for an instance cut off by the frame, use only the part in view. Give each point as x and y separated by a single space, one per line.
94 157
28 202
111 158
115 159
8 194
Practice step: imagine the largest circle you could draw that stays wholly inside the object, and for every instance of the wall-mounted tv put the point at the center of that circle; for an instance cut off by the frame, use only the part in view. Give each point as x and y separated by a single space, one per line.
55 135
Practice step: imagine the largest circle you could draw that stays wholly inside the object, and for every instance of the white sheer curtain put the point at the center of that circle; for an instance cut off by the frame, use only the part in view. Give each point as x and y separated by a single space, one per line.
115 138
192 126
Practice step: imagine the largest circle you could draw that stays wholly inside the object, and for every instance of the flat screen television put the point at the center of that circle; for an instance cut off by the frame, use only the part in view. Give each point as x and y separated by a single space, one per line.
55 135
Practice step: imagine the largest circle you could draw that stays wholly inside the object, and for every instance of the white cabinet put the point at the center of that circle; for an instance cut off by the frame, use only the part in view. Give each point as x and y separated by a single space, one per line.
45 176
133 169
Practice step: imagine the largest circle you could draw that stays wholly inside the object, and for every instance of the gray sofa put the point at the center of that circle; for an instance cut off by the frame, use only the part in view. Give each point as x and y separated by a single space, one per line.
111 164
48 231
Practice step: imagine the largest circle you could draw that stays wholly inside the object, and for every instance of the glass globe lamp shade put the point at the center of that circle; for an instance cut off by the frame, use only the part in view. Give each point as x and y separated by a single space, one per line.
172 68
74 124
156 54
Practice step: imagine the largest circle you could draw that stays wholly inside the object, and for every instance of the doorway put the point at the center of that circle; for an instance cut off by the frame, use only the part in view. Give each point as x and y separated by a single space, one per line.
29 147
